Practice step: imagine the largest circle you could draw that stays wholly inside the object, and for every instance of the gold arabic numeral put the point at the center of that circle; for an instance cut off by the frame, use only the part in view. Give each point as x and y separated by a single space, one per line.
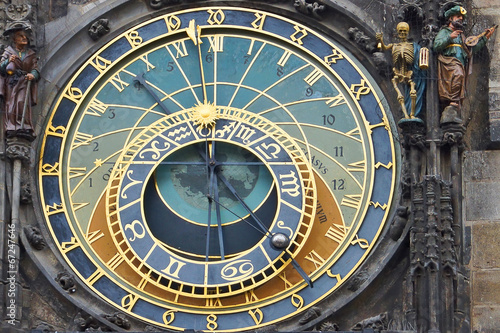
54 209
94 236
258 23
134 39
50 170
173 23
272 148
216 44
169 317
138 233
58 131
74 94
360 89
100 63
297 301
298 35
256 315
363 243
95 276
71 245
149 65
377 205
118 83
357 166
288 284
351 200
284 58
250 296
216 17
332 58
77 172
387 166
96 108
174 267
315 258
313 77
335 101
334 276
81 139
212 322
384 123
129 301
337 232
180 47
290 184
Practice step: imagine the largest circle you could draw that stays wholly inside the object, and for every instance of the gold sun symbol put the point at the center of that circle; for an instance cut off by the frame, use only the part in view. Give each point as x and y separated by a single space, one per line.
204 114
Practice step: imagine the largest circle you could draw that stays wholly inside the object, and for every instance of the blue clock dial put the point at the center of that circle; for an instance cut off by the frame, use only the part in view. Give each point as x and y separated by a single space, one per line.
217 169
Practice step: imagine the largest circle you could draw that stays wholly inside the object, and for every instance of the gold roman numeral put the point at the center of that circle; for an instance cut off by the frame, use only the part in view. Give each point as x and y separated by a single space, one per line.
96 108
315 258
81 139
337 233
335 101
180 47
352 201
357 166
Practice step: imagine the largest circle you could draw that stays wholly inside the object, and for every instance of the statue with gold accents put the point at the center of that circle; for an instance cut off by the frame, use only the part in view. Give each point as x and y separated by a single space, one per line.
454 53
409 61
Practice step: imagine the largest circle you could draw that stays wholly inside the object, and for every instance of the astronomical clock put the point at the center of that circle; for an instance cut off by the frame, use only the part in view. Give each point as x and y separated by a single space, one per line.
217 169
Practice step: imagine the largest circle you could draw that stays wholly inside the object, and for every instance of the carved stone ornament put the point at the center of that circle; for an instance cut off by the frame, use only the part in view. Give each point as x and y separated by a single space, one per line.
87 324
410 7
377 323
43 327
158 4
18 148
119 319
357 280
453 134
18 12
26 193
311 314
309 8
399 222
364 42
328 326
98 29
66 281
35 238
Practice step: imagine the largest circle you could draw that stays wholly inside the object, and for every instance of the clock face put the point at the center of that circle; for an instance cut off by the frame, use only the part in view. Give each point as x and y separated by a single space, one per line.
217 169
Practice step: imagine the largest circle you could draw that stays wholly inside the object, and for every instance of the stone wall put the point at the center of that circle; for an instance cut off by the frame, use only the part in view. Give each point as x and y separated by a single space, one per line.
482 188
482 192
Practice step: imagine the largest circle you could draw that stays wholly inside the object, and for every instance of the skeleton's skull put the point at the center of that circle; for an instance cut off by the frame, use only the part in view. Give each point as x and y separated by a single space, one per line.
403 29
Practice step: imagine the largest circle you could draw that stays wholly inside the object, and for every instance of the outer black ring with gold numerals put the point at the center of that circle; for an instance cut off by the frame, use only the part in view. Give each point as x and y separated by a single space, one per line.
346 224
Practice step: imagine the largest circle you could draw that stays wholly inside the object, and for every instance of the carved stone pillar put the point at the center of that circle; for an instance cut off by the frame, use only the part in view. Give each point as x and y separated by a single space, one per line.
18 151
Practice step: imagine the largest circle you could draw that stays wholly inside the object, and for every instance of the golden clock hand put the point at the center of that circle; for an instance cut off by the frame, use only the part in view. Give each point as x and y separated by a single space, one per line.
140 79
194 34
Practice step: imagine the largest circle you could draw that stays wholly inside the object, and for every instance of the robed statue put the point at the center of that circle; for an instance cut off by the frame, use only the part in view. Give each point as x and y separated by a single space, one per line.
18 87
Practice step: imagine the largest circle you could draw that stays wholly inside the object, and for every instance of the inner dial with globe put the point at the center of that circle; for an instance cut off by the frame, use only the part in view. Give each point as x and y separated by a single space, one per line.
220 204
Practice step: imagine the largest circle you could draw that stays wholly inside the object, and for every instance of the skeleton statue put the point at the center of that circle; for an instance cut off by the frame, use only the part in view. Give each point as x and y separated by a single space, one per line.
408 60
